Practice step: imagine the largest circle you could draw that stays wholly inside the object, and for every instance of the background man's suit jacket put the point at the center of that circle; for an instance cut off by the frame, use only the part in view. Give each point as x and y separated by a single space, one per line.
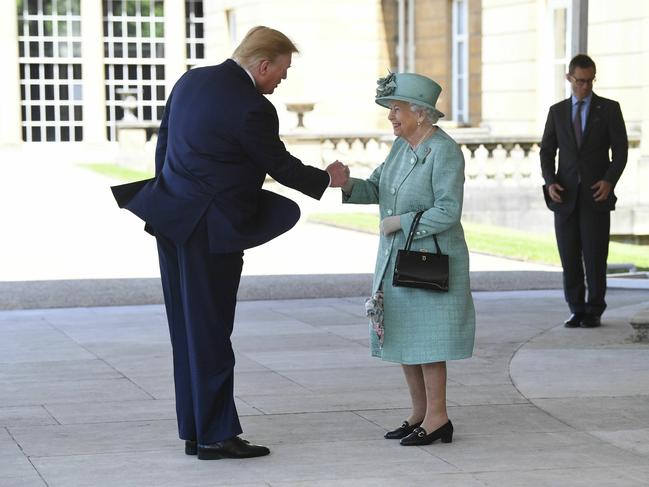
217 141
589 163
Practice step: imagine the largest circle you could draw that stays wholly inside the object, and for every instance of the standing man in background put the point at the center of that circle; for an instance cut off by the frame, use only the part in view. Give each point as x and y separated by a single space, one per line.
218 140
580 192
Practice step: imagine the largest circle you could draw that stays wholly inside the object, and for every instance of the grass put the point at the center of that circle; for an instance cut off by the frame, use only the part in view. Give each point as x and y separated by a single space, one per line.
118 172
500 241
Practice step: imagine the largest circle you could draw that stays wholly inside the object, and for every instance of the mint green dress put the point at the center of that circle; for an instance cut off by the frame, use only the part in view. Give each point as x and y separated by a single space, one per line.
421 326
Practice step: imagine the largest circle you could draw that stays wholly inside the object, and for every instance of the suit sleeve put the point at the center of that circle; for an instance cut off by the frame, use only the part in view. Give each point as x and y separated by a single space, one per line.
365 191
548 151
260 140
619 144
161 146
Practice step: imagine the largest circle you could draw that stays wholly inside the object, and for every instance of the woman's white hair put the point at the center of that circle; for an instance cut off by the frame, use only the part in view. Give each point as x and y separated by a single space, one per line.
429 114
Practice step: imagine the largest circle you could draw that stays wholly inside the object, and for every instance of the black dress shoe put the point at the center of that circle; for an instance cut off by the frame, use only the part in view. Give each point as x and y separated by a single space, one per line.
402 431
574 321
191 447
590 321
231 448
420 437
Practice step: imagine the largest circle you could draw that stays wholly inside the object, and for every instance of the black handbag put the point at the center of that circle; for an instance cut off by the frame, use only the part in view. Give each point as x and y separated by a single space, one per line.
424 270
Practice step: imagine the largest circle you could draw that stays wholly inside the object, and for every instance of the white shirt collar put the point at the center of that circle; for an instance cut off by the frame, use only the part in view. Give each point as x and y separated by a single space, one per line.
247 72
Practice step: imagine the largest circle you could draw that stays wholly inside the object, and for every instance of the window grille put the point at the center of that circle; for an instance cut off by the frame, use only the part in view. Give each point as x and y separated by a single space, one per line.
49 45
134 59
194 32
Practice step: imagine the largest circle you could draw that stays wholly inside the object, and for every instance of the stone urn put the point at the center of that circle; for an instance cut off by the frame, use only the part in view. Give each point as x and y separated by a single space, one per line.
300 109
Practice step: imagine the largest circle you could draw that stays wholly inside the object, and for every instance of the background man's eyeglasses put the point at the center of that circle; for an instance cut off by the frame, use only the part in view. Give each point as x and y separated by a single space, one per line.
582 81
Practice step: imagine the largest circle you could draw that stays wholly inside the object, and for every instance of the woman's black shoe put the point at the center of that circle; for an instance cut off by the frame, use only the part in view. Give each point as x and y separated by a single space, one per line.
401 432
420 437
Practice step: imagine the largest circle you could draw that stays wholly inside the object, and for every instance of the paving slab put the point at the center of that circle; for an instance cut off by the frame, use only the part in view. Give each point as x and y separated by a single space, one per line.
574 477
602 413
25 416
532 450
112 411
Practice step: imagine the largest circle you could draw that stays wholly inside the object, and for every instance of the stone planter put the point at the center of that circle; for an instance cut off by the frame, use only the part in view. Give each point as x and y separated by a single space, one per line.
640 324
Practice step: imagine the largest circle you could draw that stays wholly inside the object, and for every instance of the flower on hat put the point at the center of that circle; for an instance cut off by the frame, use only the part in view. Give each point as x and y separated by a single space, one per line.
386 86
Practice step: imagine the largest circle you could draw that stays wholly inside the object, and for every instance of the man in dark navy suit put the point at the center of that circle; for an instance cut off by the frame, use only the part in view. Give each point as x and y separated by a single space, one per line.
583 127
218 140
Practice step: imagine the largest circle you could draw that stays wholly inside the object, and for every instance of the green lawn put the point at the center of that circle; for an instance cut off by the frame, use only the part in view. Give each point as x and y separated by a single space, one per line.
118 172
500 241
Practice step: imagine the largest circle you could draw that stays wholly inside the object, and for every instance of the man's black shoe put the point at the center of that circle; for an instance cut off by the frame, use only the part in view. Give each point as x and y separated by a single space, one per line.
232 448
590 321
574 321
191 447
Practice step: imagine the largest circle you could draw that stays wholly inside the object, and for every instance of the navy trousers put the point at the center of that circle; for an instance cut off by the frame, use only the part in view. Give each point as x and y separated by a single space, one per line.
200 293
582 239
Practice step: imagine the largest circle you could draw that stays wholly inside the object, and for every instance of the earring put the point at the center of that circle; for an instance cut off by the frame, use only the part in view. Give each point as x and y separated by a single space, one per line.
418 123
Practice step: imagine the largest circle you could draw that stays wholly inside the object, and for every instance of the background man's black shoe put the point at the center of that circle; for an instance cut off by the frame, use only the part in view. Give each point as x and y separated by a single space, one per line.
590 321
574 321
232 448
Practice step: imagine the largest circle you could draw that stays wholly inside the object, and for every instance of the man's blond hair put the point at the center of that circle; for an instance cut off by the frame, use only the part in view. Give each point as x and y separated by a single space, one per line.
262 43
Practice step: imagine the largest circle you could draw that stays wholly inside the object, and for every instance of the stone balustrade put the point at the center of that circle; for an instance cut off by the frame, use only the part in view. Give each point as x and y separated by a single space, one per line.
503 174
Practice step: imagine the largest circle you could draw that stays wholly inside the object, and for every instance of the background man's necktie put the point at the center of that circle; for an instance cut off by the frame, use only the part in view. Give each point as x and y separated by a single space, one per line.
576 123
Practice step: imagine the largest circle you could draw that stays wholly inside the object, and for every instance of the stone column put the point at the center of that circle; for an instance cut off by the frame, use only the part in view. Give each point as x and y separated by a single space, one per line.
579 41
641 204
10 118
175 50
643 72
92 66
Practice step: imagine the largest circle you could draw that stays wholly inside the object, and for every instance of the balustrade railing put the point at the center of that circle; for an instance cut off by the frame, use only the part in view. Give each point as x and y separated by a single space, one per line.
503 174
488 157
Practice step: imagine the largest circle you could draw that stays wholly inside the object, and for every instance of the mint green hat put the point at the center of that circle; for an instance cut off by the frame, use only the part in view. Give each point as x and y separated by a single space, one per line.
408 87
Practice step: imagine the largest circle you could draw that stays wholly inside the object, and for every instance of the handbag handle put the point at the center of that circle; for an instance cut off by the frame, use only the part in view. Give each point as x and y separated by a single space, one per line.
411 233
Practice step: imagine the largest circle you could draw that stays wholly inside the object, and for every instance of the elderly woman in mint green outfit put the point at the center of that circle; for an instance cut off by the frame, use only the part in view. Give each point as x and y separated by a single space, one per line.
422 329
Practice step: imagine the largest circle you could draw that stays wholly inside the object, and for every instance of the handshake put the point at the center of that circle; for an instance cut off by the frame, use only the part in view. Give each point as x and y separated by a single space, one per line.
339 174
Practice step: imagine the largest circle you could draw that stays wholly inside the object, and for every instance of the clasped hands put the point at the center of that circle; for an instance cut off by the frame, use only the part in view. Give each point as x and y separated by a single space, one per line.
602 190
339 174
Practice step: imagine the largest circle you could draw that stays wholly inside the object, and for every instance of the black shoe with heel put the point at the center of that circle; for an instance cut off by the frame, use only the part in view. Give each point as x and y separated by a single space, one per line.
402 431
420 437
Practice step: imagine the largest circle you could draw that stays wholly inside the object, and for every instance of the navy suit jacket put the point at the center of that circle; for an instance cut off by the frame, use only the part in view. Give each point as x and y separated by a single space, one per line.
218 140
588 163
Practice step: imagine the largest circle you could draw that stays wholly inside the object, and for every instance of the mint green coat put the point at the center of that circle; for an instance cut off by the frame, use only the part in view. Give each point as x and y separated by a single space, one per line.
422 326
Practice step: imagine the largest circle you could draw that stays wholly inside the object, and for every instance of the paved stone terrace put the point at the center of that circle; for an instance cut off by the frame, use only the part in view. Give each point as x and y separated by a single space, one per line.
86 399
